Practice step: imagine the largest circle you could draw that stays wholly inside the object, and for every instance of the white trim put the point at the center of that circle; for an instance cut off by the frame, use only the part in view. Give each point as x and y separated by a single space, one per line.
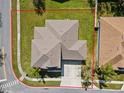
3 80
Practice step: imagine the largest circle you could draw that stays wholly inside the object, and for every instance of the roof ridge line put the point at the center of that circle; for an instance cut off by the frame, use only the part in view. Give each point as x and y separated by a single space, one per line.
112 26
39 59
49 26
54 47
69 28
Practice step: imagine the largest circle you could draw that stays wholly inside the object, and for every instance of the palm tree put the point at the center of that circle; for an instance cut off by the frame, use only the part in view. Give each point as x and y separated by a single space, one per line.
104 73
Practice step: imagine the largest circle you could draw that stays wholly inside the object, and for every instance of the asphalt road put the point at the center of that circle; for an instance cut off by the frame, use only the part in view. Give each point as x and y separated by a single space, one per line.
12 85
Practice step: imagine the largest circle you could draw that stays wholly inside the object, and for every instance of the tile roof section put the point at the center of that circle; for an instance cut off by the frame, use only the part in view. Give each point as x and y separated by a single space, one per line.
111 38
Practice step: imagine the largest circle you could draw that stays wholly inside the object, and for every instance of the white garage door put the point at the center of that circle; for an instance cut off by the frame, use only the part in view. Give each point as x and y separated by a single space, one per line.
71 74
71 70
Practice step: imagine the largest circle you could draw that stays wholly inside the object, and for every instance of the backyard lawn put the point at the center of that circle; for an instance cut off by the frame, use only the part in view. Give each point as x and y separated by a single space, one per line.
119 77
54 4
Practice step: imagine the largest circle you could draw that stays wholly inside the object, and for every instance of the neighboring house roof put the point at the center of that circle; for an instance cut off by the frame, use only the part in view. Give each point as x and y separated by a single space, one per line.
59 39
111 41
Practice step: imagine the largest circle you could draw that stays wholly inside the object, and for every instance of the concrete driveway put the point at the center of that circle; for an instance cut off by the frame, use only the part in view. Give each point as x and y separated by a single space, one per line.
71 73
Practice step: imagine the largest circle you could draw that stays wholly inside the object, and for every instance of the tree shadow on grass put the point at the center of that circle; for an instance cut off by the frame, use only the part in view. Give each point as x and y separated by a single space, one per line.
39 6
61 1
43 73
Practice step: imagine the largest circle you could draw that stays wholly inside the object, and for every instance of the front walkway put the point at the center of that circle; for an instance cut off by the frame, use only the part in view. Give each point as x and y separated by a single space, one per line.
71 74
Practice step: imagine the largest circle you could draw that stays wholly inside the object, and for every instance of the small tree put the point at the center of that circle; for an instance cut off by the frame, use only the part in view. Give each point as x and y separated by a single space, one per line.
86 82
104 73
39 6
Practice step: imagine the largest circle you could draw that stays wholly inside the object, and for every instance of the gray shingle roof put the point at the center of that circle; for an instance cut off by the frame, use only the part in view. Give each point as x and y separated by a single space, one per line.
58 39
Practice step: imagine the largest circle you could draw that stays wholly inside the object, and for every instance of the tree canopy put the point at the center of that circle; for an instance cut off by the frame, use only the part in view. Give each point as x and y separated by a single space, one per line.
104 73
111 7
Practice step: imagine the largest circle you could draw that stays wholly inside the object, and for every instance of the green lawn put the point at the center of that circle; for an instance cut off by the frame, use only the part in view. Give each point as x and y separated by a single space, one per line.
14 40
111 86
51 4
14 4
28 21
40 83
119 77
26 5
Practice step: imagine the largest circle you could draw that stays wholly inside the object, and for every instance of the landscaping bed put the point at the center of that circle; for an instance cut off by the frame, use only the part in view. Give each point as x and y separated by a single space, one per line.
56 4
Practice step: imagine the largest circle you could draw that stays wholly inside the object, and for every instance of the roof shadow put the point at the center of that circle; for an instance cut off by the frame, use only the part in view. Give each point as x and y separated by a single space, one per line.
61 1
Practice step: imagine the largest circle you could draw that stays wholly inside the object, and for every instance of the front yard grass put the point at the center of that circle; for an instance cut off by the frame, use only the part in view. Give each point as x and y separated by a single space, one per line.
40 83
111 86
119 77
51 4
14 40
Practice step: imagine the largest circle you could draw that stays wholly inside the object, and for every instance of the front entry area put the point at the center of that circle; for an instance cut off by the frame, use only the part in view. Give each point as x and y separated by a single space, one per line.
71 73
